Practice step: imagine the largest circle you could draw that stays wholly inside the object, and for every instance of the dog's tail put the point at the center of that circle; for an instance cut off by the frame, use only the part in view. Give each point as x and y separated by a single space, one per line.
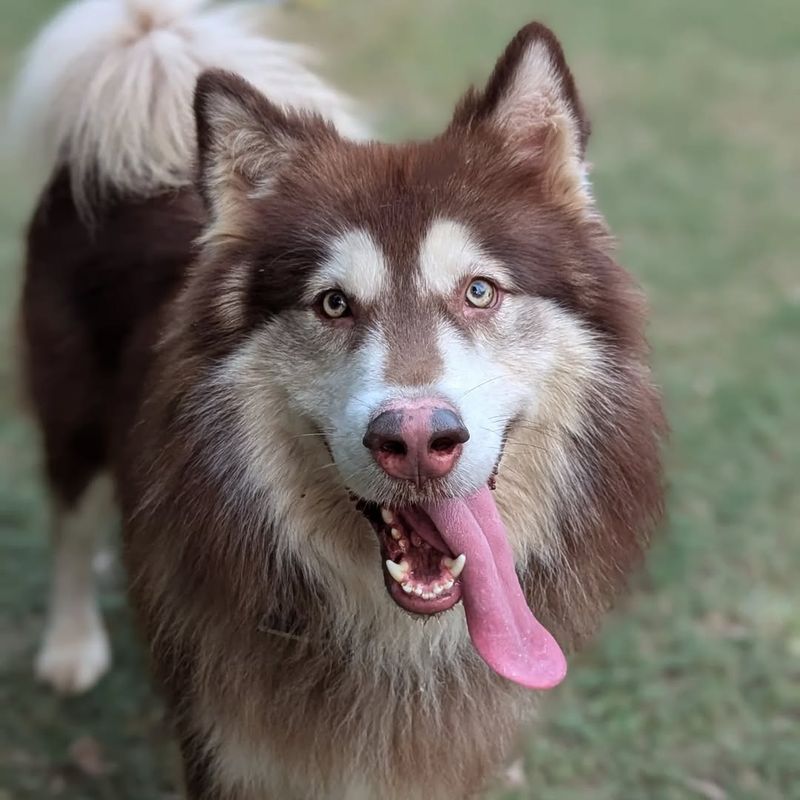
107 87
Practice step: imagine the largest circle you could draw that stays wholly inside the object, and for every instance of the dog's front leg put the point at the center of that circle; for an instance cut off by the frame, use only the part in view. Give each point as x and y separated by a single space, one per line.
198 776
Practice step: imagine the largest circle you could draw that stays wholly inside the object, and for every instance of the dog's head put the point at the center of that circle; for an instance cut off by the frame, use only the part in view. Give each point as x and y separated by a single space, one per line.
437 317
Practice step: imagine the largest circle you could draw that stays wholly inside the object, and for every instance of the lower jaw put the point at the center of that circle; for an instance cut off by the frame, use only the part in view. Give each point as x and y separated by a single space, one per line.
418 605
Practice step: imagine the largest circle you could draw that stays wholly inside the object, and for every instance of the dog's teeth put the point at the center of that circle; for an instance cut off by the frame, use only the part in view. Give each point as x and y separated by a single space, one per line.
387 516
406 587
458 565
455 565
438 590
418 591
396 535
397 571
448 585
428 595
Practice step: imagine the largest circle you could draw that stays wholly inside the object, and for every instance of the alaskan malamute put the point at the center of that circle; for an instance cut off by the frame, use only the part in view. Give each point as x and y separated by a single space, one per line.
379 417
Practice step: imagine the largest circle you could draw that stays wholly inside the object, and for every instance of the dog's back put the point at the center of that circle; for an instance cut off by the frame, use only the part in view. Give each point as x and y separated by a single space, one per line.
91 302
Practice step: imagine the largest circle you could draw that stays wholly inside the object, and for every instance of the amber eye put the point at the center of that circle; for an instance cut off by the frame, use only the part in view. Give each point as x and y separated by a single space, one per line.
481 293
334 305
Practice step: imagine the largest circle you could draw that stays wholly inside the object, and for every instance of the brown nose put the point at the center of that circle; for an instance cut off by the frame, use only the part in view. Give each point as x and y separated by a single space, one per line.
416 442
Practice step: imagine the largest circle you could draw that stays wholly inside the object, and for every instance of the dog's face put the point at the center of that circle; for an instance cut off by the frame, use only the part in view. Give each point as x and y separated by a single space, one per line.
439 315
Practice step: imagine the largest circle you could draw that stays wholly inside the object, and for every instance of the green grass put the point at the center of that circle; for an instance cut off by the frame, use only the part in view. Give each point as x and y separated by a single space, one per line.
693 689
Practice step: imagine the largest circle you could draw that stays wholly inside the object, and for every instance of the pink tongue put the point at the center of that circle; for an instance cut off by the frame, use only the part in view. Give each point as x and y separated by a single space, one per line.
503 629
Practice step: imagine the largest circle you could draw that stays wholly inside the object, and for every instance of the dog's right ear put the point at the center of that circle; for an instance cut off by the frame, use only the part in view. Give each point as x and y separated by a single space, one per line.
243 143
531 102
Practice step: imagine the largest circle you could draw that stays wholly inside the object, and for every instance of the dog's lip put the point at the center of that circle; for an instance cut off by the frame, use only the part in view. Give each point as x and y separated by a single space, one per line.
419 605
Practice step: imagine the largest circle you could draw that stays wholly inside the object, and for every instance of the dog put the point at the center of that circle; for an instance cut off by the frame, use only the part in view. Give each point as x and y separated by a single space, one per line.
379 418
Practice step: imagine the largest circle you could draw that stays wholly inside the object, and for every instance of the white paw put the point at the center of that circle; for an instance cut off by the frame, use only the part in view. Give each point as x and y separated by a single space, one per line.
73 657
514 775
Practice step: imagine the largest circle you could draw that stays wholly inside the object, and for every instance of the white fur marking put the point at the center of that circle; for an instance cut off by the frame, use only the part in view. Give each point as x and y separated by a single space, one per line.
449 254
356 265
319 526
75 651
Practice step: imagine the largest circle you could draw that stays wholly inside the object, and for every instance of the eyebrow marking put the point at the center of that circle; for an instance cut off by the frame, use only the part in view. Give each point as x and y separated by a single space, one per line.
449 254
356 264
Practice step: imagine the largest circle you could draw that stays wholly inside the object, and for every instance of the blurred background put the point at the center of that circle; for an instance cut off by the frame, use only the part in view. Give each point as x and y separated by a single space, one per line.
693 688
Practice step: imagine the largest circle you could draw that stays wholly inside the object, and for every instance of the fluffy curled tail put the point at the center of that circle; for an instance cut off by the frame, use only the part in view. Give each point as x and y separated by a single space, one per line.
106 89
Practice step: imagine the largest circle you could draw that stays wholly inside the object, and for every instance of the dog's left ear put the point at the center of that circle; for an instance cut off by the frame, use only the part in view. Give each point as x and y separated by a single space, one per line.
531 101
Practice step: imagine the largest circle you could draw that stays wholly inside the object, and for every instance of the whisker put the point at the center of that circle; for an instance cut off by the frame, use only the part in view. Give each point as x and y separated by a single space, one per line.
529 445
519 423
325 466
544 430
478 386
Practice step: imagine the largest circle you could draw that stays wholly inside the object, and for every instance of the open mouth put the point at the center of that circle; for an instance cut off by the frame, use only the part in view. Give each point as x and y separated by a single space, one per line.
422 574
436 554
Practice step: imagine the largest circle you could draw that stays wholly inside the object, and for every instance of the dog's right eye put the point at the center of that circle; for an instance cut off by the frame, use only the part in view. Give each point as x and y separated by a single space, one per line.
334 305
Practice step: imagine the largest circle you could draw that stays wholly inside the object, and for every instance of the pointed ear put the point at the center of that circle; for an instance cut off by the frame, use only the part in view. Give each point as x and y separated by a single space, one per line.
243 142
532 102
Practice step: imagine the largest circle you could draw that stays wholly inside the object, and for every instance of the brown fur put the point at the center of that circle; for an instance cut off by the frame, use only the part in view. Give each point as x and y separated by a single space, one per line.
125 327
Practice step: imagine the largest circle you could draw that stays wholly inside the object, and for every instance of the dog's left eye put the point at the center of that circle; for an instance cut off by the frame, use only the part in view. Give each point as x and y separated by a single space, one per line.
334 305
480 293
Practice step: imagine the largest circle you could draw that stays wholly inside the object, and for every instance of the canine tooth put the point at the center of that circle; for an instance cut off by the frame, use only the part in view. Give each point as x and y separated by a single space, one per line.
387 516
456 566
397 571
396 535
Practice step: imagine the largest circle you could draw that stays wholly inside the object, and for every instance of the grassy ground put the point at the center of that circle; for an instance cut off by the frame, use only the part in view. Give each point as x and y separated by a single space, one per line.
693 690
